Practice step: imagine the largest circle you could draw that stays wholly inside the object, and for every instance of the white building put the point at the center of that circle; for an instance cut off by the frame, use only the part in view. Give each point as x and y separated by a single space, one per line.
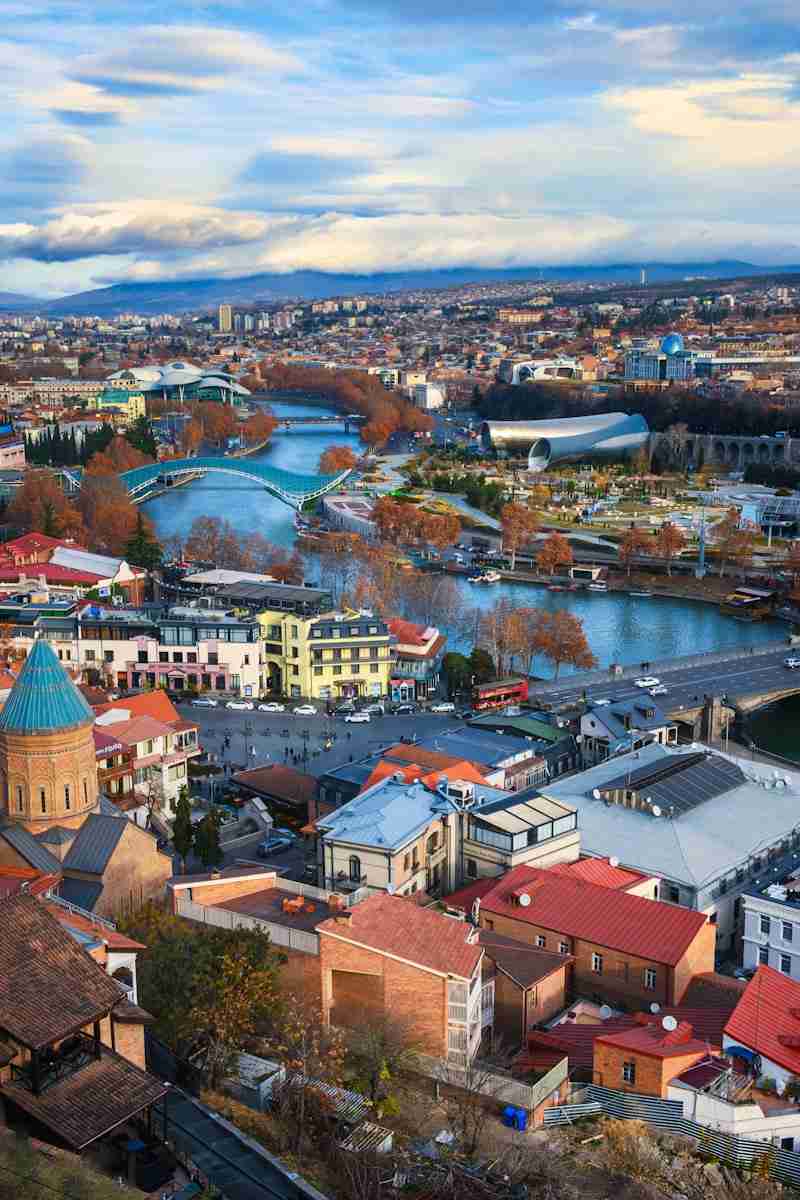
428 397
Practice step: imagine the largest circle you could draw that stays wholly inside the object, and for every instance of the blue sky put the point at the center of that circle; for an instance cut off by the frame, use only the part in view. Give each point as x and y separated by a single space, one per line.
157 142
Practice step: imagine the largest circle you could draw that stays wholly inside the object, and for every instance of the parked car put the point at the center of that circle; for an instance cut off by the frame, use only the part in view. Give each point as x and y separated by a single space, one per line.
271 846
444 706
405 710
647 681
205 702
241 705
280 831
304 710
347 707
603 702
357 718
273 706
792 663
661 689
375 710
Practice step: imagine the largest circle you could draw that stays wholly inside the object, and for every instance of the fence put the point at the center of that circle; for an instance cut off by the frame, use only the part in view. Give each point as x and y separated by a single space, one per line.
587 678
502 1088
668 1115
279 935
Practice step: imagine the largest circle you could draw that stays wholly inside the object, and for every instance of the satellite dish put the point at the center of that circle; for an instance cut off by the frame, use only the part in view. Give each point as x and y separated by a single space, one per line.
613 861
670 1024
596 793
605 1012
656 811
524 899
655 1007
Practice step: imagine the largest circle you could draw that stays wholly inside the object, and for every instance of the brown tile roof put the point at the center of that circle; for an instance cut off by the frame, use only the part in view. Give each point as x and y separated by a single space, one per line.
49 986
92 1101
524 964
391 925
601 915
284 783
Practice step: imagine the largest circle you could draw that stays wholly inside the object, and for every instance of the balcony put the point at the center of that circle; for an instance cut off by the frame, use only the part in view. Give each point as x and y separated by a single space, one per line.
342 882
54 1065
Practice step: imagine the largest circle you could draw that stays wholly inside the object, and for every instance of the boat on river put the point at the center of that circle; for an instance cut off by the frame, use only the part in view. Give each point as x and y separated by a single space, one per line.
597 587
641 595
486 577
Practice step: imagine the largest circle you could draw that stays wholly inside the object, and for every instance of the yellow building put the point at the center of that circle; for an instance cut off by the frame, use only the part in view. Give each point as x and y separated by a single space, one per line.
326 656
127 406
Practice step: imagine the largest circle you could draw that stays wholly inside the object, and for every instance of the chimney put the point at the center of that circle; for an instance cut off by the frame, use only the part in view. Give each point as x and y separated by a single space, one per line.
344 916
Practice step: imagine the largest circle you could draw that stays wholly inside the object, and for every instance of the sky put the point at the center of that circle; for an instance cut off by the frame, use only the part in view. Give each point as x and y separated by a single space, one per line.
148 141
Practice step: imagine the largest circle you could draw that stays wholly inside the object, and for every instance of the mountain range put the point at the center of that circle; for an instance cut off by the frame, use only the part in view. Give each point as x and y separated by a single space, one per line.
189 295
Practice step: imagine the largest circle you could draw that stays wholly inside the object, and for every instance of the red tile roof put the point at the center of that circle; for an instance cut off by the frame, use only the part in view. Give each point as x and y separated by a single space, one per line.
51 572
390 925
601 872
632 924
408 633
767 1018
147 704
656 1042
413 771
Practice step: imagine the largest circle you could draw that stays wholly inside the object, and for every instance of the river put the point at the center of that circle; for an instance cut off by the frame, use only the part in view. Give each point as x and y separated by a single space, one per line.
619 628
777 728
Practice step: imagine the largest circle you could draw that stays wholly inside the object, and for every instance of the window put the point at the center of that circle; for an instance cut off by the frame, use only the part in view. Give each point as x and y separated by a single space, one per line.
85 791
294 631
19 798
66 796
295 670
629 1072
787 930
563 947
787 1143
141 656
406 861
43 799
355 868
472 868
374 668
650 979
109 656
317 670
177 656
90 656
541 941
355 652
213 658
763 925
597 964
673 894
337 656
763 955
355 670
786 964
192 657
373 628
295 653
433 842
373 651
163 656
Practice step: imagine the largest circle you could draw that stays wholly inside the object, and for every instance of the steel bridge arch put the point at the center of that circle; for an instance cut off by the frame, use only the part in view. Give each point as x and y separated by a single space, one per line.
293 489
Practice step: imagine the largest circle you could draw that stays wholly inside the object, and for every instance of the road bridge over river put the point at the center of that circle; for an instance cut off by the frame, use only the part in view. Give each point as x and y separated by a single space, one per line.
745 679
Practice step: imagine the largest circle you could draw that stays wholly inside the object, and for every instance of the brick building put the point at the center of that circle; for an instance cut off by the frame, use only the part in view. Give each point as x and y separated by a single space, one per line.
627 950
646 1059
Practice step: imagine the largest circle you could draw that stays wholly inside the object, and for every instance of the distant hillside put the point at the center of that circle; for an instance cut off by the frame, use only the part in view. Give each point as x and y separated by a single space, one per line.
187 295
11 301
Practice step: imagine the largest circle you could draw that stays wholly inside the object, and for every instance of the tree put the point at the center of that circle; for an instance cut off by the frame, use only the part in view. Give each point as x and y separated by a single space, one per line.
182 828
312 1052
734 543
260 427
118 456
218 420
142 549
108 512
141 437
40 506
481 665
206 987
191 436
669 543
464 1098
634 544
378 1051
457 671
555 551
206 840
518 524
336 459
562 640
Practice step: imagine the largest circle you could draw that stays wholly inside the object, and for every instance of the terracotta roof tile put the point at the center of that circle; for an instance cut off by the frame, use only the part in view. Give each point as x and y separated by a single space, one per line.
391 925
645 928
767 1018
601 872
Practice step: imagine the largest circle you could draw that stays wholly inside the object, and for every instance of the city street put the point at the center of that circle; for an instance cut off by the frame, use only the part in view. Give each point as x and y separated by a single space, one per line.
745 675
259 738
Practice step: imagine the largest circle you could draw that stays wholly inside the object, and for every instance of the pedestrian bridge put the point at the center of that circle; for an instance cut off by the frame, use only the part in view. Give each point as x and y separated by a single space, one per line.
291 488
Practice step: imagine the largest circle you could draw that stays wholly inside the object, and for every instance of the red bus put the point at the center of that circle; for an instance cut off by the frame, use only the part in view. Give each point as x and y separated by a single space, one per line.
498 693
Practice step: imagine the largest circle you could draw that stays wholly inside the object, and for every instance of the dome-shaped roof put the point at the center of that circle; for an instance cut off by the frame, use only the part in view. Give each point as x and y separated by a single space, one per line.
44 698
672 344
178 376
181 366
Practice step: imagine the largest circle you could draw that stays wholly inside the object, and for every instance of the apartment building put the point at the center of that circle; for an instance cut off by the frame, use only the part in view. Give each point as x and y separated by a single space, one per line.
419 651
628 950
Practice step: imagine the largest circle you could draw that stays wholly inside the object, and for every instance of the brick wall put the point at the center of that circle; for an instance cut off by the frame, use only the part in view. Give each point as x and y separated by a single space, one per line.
517 1009
300 976
135 872
216 891
652 1074
413 999
622 977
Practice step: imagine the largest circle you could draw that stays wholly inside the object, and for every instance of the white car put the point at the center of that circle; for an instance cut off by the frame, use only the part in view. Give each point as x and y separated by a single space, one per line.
241 705
205 702
602 703
792 663
305 710
273 706
649 681
661 689
357 718
444 706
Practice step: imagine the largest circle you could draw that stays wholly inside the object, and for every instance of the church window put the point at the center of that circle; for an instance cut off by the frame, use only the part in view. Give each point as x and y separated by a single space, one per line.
85 792
19 798
66 795
43 798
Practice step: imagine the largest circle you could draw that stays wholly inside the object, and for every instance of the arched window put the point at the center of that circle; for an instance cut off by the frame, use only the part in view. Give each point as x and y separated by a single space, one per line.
85 793
66 796
19 798
43 799
355 868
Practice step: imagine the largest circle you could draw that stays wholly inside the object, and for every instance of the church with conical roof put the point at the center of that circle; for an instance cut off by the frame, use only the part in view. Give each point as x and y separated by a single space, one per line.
48 773
52 816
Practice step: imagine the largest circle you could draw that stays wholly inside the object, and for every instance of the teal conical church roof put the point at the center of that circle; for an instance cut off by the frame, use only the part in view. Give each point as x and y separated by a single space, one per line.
44 698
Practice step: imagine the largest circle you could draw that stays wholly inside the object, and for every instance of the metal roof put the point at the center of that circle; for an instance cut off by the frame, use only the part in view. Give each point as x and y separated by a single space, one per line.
682 782
80 892
44 698
26 845
95 843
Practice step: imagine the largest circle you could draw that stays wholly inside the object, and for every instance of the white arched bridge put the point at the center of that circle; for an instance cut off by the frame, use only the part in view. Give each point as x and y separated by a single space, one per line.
292 488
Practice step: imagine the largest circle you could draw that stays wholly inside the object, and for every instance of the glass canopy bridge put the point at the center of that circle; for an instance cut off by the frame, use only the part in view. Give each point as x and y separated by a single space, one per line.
293 489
